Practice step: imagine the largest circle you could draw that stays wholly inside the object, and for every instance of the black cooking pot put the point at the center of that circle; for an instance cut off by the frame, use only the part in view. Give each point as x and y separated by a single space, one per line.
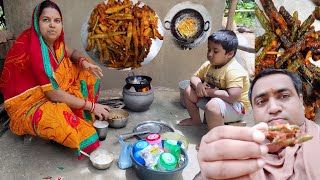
138 82
179 17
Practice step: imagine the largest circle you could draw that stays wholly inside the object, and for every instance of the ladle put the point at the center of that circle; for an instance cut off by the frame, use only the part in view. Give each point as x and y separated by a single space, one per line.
128 135
84 153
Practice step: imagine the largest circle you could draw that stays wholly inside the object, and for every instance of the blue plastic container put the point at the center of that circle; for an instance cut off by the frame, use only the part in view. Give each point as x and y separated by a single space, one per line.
138 158
138 146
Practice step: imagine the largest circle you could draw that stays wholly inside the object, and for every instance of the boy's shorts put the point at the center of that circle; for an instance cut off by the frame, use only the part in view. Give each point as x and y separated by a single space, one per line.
231 112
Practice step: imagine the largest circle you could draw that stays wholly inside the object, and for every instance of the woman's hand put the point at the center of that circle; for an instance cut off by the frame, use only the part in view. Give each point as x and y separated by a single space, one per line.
232 152
102 111
93 69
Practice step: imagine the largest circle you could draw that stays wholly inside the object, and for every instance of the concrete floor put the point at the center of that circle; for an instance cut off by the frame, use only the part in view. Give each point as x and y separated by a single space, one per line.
40 158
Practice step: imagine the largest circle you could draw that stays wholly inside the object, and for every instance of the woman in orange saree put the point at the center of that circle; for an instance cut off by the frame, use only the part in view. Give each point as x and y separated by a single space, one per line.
51 90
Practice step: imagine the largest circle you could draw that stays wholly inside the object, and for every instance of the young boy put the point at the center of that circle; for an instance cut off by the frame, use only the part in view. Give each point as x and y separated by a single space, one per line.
220 85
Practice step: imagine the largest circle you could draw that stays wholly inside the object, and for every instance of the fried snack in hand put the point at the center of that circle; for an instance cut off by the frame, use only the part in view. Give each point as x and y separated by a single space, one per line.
286 135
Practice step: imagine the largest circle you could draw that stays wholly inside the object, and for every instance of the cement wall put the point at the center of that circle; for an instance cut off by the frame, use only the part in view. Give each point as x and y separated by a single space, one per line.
170 65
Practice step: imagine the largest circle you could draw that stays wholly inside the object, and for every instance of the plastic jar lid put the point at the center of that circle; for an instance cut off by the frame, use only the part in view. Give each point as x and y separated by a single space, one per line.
140 145
172 142
167 161
170 145
153 137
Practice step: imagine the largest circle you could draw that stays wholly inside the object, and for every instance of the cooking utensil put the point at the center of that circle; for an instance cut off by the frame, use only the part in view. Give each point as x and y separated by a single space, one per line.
101 128
100 158
180 17
114 102
128 135
164 127
120 120
137 81
84 153
144 129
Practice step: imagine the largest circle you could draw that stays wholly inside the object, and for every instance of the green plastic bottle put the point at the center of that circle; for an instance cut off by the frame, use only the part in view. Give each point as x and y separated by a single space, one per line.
172 147
167 162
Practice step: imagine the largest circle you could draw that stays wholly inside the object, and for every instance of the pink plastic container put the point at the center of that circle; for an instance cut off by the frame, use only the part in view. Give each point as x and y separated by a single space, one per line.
153 139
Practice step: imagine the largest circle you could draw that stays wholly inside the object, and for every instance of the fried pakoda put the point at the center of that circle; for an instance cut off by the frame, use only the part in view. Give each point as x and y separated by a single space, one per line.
187 27
286 135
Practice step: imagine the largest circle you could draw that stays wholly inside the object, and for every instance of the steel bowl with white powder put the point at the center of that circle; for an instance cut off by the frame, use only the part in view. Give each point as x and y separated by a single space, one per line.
101 159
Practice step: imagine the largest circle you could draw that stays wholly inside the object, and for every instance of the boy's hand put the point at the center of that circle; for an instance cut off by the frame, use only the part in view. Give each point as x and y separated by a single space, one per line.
211 91
232 152
201 90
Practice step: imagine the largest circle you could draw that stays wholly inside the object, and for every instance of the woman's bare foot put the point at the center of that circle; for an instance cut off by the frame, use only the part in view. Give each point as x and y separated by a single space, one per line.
189 122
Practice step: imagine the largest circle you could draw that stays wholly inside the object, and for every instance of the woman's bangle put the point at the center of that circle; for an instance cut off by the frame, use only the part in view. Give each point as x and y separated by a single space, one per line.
92 107
80 60
84 105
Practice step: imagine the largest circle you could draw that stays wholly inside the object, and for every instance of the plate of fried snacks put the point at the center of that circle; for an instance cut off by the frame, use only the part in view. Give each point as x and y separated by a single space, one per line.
286 135
122 34
288 37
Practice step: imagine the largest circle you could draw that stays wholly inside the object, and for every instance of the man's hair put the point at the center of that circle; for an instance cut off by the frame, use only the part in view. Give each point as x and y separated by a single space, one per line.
227 38
297 83
46 4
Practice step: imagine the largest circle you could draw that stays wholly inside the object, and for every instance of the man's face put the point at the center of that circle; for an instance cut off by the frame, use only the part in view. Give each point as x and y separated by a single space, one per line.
275 100
217 55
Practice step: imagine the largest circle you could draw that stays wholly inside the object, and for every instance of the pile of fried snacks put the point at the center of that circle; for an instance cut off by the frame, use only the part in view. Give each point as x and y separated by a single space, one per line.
187 27
122 32
289 43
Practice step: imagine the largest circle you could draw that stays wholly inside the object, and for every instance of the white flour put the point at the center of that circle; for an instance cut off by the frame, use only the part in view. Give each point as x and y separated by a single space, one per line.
102 159
100 124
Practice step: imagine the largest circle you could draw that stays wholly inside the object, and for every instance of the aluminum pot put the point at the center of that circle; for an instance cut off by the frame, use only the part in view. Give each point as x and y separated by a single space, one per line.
179 17
137 101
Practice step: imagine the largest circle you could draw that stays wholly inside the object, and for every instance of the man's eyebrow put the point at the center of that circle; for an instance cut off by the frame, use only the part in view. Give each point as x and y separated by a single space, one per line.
259 96
265 93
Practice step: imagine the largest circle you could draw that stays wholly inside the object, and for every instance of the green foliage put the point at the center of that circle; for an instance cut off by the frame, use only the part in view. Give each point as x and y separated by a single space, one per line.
243 18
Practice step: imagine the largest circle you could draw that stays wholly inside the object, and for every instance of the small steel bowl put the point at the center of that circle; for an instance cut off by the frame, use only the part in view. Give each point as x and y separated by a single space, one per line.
118 118
99 163
101 128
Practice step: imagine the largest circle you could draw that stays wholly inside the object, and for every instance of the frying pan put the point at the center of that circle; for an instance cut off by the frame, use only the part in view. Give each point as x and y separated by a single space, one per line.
145 128
179 17
138 82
